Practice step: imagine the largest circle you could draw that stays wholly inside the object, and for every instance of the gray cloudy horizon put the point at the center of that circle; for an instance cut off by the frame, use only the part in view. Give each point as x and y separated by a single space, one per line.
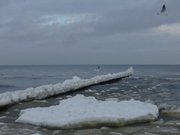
43 32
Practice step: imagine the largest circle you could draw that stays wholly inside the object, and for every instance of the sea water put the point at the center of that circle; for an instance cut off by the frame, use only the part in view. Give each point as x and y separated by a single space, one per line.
159 84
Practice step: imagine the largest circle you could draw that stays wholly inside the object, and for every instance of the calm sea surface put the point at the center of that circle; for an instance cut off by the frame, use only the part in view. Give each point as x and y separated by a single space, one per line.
159 84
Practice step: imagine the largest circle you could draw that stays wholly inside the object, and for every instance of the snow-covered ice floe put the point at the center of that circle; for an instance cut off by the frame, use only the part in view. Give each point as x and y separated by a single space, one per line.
45 91
80 111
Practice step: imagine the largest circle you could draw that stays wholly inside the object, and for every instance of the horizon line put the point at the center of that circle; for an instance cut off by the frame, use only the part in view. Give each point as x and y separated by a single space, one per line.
91 65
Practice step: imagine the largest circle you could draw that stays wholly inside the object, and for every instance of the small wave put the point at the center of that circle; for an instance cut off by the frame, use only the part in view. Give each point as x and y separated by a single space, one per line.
173 79
25 76
136 77
114 88
3 117
90 90
2 123
98 94
6 86
21 77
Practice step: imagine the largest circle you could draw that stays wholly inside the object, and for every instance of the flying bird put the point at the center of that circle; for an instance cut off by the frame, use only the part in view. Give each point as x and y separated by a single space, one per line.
163 10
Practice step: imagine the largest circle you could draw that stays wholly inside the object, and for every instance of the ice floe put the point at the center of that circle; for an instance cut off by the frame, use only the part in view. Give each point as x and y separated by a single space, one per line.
45 91
80 111
166 107
169 109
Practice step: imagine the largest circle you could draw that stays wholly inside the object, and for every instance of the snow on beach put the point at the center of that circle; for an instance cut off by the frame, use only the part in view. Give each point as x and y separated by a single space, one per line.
45 91
80 111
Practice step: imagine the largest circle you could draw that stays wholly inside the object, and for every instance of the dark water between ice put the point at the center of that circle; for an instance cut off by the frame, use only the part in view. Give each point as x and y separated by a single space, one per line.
160 84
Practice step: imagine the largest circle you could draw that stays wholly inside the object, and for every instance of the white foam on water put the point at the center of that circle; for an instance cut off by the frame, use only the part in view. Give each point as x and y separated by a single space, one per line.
3 117
114 88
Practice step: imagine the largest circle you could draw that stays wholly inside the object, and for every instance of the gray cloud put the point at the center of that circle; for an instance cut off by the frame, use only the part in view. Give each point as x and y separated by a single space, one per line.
103 31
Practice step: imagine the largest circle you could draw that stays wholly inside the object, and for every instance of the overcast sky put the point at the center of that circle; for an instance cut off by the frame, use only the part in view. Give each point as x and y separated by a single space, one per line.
89 32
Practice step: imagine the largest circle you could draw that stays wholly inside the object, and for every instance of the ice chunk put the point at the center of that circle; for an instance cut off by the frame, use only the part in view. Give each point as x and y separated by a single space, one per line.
45 91
81 111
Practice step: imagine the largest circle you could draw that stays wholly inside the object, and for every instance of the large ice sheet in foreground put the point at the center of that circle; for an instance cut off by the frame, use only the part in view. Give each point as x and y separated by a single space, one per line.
81 111
44 91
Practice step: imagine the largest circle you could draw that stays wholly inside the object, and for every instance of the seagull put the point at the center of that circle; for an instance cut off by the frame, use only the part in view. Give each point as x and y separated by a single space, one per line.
163 10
